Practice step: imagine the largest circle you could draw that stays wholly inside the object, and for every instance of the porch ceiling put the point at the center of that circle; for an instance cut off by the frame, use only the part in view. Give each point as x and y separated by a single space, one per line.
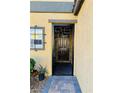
51 7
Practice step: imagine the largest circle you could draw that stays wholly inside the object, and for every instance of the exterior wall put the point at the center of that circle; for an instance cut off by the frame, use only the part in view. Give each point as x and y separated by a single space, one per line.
44 57
83 50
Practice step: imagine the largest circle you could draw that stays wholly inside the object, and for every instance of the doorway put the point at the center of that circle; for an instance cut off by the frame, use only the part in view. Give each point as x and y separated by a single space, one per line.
63 49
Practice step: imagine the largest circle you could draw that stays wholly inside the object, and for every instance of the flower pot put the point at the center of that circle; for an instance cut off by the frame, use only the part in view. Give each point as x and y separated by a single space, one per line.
41 77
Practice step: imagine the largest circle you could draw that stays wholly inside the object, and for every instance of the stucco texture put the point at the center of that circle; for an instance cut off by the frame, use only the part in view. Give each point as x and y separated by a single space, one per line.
83 48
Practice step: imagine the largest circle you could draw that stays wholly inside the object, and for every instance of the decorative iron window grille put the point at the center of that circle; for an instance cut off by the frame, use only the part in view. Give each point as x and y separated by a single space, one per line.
37 38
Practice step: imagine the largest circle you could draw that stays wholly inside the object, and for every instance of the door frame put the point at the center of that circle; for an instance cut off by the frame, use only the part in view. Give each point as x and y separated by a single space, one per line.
62 24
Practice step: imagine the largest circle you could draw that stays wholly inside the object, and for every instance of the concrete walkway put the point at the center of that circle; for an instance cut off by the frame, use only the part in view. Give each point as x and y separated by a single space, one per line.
62 84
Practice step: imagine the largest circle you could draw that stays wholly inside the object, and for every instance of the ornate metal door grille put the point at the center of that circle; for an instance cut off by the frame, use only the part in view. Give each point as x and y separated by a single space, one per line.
63 43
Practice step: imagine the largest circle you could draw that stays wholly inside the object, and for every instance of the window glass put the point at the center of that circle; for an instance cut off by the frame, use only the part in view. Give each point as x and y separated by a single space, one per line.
36 38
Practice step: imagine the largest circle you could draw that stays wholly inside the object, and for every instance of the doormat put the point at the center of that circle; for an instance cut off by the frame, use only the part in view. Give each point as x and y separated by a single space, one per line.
62 84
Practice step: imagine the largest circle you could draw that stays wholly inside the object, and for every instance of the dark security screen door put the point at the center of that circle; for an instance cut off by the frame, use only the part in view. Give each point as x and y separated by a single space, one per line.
63 49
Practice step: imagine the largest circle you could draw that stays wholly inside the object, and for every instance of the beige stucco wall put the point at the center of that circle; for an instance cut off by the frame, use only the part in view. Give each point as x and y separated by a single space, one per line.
44 57
83 50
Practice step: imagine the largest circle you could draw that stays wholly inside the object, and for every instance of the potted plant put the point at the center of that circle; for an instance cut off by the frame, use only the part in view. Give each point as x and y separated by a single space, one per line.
42 72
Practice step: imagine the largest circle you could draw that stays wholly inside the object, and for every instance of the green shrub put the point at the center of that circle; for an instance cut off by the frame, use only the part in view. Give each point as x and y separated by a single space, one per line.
32 64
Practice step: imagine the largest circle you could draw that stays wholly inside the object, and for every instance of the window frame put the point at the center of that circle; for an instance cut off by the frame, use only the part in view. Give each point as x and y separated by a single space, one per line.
43 33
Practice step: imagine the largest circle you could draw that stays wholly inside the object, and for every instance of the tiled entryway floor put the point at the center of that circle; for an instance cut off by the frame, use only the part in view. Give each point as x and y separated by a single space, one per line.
61 84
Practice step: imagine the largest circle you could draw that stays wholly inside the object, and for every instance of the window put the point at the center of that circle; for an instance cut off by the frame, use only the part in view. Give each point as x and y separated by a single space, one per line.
37 38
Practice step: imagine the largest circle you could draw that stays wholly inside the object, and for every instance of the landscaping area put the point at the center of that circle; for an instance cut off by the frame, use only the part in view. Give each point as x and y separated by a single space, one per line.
37 86
38 77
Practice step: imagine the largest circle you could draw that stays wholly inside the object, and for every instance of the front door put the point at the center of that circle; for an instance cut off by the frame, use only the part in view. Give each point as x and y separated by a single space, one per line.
63 49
